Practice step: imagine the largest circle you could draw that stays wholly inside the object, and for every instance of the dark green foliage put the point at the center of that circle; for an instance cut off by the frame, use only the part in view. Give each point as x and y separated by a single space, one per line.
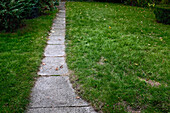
12 12
162 14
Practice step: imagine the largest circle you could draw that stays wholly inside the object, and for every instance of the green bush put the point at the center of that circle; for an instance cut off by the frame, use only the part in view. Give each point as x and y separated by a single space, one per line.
140 3
46 5
162 14
12 12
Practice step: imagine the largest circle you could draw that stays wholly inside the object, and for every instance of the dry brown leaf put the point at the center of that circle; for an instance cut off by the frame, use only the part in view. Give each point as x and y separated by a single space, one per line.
56 69
77 97
61 66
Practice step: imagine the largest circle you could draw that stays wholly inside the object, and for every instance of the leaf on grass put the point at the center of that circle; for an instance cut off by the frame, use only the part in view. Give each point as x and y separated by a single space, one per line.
161 39
136 64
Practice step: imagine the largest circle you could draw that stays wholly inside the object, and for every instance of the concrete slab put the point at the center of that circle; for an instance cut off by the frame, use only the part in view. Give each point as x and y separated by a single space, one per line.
55 50
54 94
61 7
62 11
58 32
53 66
59 22
54 91
56 40
63 19
60 26
61 15
62 110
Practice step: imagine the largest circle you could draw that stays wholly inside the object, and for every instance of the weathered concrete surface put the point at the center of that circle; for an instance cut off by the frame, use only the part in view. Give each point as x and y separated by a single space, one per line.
55 50
57 32
59 26
59 22
62 11
54 91
56 40
54 94
53 66
62 110
61 15
63 19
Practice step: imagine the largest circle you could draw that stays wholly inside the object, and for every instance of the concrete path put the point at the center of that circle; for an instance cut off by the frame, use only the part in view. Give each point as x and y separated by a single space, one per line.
54 94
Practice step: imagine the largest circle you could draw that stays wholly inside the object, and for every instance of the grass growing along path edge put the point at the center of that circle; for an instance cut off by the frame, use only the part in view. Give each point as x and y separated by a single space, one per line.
119 55
20 57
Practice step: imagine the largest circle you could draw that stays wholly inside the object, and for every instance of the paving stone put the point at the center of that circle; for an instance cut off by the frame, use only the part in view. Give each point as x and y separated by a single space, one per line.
54 94
61 15
58 32
62 11
55 50
61 7
56 40
62 110
59 22
57 27
60 26
53 66
54 91
59 19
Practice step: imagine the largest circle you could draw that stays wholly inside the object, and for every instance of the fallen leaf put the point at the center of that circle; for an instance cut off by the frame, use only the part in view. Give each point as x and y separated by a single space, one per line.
56 69
61 66
161 39
77 97
136 64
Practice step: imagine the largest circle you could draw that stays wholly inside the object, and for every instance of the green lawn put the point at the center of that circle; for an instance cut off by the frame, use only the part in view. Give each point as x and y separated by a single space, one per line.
20 57
119 56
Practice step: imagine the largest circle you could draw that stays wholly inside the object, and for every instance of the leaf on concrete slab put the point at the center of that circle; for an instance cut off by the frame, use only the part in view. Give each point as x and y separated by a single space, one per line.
61 66
77 97
57 69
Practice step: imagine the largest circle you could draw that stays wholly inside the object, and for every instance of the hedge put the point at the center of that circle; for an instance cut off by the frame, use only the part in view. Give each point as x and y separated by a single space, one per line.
12 12
162 14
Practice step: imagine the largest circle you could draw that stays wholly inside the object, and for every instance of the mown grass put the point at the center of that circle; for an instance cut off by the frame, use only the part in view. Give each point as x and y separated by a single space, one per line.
20 57
119 55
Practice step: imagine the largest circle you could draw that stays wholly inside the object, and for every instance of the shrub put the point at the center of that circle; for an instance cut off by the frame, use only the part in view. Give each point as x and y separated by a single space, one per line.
32 9
13 11
162 14
140 3
46 5
11 14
